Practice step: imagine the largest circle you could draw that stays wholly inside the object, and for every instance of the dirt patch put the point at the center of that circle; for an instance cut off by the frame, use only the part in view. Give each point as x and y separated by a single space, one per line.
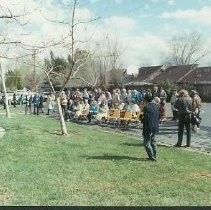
203 175
5 196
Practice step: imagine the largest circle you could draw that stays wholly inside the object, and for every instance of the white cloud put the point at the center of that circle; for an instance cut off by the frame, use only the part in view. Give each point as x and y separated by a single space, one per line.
145 49
171 2
201 16
120 23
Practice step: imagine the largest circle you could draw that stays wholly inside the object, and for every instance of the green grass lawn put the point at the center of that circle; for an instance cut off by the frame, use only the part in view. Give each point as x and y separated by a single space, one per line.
92 167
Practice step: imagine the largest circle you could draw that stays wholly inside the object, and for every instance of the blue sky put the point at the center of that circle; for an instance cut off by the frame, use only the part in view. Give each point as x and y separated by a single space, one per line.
147 12
143 28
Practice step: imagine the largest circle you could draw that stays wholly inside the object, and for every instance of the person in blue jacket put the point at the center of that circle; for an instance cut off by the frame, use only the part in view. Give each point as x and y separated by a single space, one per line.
93 110
150 122
36 102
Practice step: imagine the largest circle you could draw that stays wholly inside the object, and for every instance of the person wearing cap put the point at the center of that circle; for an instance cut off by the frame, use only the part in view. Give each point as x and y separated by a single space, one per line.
184 106
150 122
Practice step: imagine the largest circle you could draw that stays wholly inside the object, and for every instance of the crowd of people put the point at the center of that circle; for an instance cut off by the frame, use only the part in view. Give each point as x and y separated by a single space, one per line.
96 104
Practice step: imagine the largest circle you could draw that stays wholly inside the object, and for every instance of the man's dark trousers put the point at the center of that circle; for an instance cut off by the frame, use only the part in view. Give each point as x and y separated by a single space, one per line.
36 110
184 120
150 145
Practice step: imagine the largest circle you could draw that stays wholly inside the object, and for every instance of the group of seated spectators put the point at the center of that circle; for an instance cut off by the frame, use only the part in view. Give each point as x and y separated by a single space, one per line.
97 103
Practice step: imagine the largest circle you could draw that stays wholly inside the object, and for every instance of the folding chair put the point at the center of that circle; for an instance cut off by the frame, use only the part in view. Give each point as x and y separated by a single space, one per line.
137 118
126 118
114 116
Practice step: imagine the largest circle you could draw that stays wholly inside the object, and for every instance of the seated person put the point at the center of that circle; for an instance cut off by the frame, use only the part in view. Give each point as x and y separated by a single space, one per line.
121 106
78 109
103 111
85 108
135 109
127 106
93 110
70 110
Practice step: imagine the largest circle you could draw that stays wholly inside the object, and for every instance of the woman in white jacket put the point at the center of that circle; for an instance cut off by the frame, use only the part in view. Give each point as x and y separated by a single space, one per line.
174 97
103 111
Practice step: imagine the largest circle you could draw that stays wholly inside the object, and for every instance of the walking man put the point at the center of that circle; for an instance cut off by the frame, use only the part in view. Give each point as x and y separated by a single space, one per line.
150 122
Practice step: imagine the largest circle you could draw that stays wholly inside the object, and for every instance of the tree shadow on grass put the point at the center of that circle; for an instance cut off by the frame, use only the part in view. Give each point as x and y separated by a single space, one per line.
115 158
56 133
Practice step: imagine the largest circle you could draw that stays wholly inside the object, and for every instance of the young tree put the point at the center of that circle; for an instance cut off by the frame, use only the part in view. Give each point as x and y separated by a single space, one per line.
70 69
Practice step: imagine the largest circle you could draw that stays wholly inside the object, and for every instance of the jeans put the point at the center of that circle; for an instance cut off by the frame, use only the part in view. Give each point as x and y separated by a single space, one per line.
150 145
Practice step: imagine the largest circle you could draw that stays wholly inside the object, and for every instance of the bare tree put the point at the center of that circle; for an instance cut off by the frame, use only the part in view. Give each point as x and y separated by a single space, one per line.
116 65
75 65
109 63
5 42
187 49
102 64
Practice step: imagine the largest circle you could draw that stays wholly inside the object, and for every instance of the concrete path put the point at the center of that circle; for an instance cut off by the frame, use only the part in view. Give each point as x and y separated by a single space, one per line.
200 141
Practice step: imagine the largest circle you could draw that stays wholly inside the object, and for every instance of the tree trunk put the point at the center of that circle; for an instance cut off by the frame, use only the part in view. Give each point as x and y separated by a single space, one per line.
62 121
5 93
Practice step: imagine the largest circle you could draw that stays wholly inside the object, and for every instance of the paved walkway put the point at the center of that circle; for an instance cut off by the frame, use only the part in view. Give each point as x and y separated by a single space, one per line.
200 141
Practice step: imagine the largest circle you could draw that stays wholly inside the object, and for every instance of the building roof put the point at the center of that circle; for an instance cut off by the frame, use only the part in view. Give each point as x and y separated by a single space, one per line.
146 73
129 77
174 73
200 75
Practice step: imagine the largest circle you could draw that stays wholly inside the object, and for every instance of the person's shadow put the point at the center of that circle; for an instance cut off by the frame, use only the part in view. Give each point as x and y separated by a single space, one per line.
115 158
140 144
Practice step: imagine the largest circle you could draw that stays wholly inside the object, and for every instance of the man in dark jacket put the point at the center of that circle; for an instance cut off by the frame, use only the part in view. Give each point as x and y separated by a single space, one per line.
36 102
150 127
184 106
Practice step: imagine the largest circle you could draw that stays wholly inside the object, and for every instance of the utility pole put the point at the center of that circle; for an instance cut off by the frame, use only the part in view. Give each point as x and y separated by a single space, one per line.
5 92
34 81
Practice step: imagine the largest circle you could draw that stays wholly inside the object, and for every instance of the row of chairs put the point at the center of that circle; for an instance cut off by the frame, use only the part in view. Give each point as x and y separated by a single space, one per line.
119 118
122 117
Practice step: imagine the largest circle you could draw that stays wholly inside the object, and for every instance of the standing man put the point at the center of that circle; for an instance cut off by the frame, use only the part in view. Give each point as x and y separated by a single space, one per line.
184 107
14 99
41 103
36 102
150 122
